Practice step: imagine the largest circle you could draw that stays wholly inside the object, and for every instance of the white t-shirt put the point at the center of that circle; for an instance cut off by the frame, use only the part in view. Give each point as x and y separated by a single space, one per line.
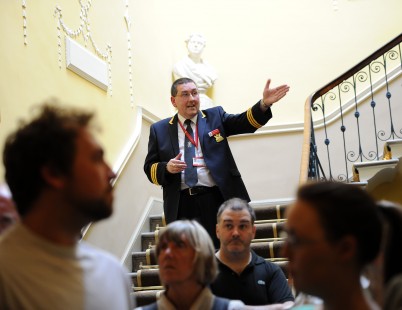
37 274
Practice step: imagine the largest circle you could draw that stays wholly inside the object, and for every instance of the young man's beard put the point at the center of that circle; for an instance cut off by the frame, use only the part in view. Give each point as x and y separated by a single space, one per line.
94 209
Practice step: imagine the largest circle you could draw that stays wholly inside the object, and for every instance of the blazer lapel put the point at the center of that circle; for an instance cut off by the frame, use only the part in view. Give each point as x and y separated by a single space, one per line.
202 123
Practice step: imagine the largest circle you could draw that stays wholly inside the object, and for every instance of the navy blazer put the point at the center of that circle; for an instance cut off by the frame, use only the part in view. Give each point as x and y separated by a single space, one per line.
163 145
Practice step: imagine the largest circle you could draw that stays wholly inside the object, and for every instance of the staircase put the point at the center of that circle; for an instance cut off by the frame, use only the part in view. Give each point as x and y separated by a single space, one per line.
269 239
268 243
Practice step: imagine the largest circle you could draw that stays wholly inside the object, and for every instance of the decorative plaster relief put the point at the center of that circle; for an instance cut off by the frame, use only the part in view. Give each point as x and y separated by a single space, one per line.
85 30
127 18
24 21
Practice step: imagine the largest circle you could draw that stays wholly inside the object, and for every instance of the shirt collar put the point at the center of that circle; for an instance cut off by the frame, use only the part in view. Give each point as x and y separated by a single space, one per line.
182 119
204 301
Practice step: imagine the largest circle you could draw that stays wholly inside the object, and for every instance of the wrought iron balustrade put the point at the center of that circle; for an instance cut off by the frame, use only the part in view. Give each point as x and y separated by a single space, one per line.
352 116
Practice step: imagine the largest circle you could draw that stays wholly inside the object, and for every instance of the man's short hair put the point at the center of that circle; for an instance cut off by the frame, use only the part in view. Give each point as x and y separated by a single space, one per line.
184 80
205 265
236 204
47 140
344 209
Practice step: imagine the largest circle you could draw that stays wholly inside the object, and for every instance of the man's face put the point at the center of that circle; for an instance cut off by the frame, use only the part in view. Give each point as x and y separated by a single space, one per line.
88 188
187 100
312 259
176 262
235 231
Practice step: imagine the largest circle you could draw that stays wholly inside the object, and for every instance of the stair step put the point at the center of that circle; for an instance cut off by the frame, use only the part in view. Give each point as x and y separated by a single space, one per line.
269 230
392 149
146 277
147 297
363 172
149 239
275 212
269 249
155 222
145 258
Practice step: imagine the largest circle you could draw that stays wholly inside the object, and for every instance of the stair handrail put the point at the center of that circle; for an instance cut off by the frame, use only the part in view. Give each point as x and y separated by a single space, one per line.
308 133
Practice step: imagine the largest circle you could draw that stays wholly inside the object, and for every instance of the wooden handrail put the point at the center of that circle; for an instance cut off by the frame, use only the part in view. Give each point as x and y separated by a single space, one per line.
381 51
303 177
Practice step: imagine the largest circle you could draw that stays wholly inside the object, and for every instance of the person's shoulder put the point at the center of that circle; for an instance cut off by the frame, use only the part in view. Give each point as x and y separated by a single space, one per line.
213 111
163 121
221 303
259 260
218 107
12 236
5 243
88 251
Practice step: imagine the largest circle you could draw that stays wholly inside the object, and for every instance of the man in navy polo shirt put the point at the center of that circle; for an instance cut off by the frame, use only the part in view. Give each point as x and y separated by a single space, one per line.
243 274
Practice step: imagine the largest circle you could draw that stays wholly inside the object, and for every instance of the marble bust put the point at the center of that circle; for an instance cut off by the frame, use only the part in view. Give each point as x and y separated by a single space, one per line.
195 68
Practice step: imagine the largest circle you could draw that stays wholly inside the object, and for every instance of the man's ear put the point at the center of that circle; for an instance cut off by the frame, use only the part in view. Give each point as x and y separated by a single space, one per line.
254 230
173 101
53 177
217 231
347 248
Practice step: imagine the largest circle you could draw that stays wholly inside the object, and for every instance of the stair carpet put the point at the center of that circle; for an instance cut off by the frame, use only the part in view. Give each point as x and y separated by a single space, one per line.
268 243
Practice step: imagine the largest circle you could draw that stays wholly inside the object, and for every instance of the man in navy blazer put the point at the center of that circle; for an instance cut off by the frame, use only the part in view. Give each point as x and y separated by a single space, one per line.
218 178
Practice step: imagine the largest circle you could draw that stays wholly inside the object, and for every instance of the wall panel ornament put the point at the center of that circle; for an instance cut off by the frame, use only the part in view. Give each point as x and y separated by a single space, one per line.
24 21
83 29
127 18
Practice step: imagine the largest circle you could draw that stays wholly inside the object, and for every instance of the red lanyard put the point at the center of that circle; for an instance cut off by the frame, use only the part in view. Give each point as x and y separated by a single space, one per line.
193 141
